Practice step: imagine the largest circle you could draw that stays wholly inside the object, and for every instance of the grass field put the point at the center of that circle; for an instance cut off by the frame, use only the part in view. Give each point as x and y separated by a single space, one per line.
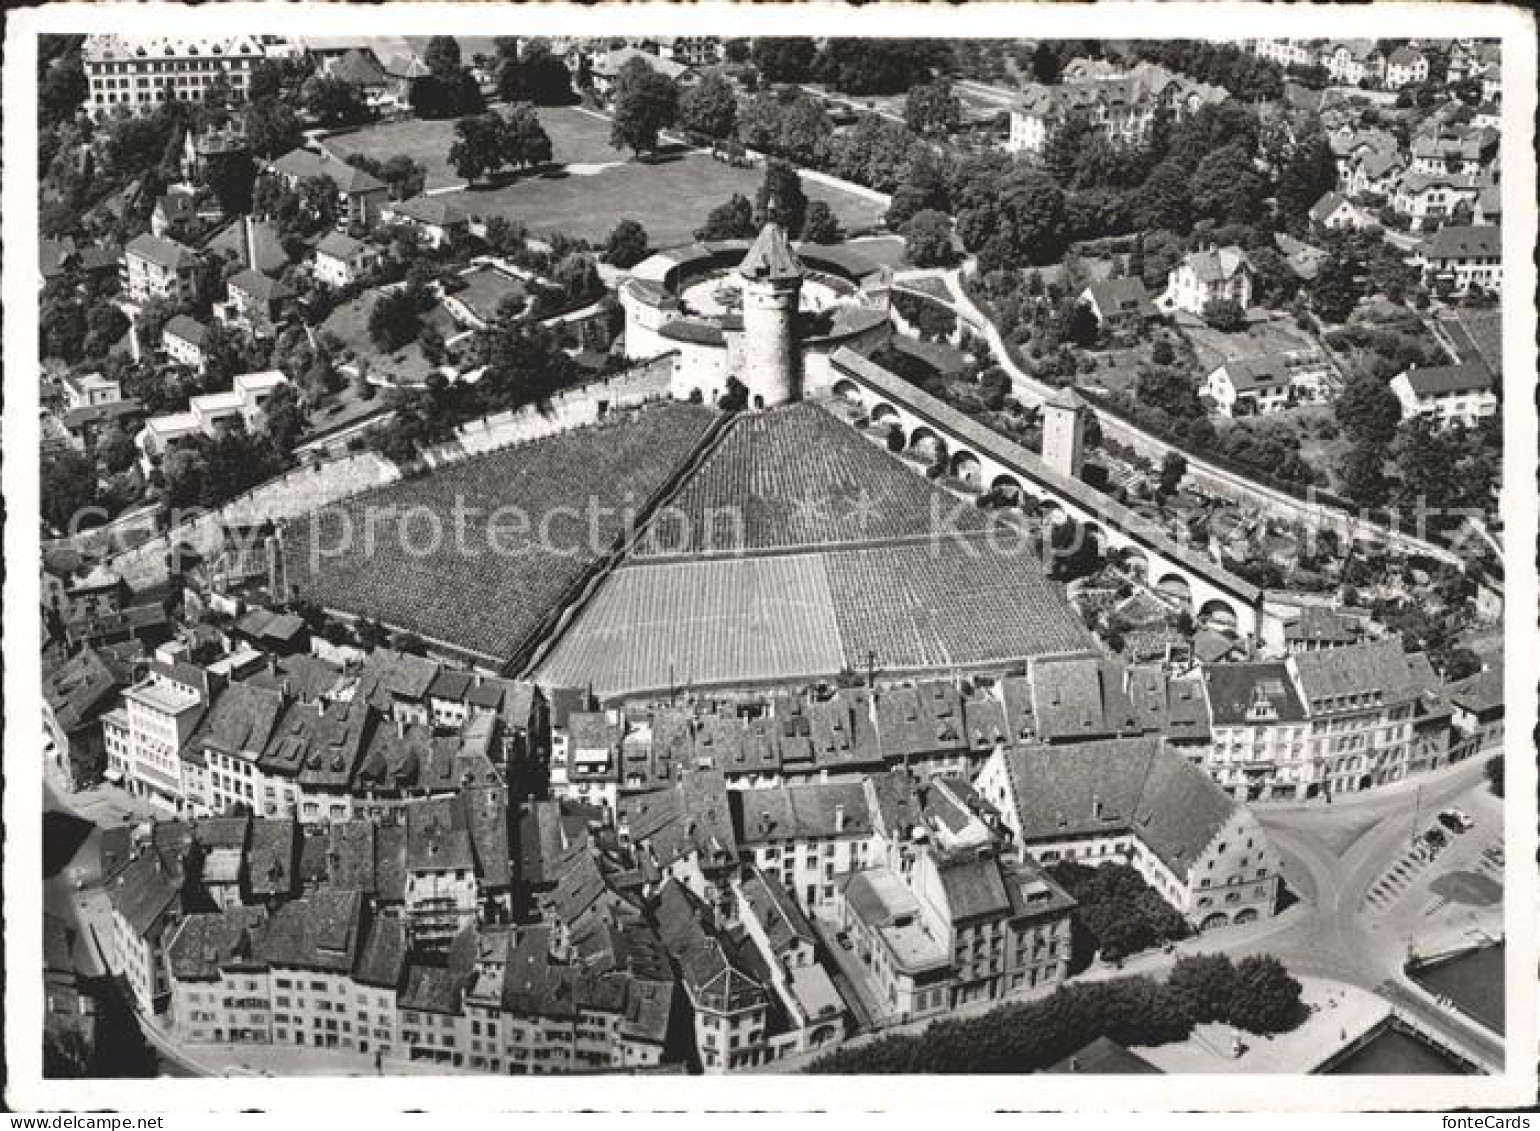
576 138
739 620
797 477
670 198
485 580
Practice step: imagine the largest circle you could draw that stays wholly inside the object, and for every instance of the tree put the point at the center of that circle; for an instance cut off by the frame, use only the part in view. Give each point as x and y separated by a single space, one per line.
646 103
1226 187
62 86
477 148
1172 468
1266 998
578 276
821 225
272 127
1336 289
1045 64
1014 219
932 109
873 152
1367 410
525 144
115 449
1225 315
187 473
1309 173
442 57
67 486
1460 663
731 220
780 198
535 75
928 239
333 102
711 108
395 319
1207 984
879 66
627 244
1361 473
1494 774
787 59
283 419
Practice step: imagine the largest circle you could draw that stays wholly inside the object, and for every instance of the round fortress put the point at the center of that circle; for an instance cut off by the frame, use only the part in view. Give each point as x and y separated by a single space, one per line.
762 312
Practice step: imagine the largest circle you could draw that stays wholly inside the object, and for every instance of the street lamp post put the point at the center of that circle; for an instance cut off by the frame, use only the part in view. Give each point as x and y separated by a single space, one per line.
1416 814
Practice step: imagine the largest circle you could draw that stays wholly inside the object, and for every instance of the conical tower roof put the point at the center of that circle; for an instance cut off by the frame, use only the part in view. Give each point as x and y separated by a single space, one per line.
771 256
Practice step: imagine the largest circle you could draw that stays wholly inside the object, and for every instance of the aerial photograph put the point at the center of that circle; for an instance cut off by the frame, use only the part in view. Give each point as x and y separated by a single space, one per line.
690 555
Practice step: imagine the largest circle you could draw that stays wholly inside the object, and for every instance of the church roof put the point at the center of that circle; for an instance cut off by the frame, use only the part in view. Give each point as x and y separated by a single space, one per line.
771 256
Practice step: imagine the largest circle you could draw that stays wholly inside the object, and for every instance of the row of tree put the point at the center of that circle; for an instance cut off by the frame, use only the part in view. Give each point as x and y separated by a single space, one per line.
1256 994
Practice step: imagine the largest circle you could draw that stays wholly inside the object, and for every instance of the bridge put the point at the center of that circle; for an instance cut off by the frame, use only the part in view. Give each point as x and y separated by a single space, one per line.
984 461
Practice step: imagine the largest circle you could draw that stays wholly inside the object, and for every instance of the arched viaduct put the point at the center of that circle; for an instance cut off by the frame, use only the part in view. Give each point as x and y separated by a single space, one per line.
987 461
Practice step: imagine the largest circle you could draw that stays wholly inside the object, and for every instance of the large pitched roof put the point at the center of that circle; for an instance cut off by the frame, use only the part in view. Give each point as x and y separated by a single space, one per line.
1358 675
1459 241
162 252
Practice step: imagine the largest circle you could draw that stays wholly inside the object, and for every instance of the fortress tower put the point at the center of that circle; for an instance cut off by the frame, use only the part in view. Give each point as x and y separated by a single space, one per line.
1064 432
772 286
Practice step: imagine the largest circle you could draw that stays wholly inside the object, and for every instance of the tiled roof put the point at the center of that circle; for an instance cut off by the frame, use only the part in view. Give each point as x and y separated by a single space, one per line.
1218 264
434 210
1355 676
339 245
1448 380
713 979
1262 371
800 812
382 956
1233 689
188 329
1321 625
1479 693
165 253
259 286
1103 1057
349 179
205 942
79 690
1463 241
144 891
318 932
779 916
272 859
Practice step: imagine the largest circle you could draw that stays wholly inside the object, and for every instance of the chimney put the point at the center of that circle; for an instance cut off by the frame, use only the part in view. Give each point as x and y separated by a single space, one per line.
400 727
1096 807
839 817
249 227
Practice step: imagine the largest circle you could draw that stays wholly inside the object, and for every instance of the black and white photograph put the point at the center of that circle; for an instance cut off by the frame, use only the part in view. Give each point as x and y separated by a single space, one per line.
708 566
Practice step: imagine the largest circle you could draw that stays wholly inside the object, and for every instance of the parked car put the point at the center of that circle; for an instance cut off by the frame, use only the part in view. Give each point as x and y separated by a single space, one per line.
1455 820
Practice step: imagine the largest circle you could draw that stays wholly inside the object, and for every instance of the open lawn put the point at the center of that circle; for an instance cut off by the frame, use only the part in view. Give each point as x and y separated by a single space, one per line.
577 138
1275 335
669 197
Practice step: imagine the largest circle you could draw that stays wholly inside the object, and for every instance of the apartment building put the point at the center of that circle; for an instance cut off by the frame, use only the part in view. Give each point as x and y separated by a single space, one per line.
140 73
158 267
184 340
805 836
1458 257
76 696
207 412
1449 394
1430 200
1261 732
1119 105
145 738
1405 66
340 260
1205 277
1361 702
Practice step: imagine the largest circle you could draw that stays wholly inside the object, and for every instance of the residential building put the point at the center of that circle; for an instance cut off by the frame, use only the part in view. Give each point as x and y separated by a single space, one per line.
1121 306
1457 258
76 695
585 757
1478 708
360 69
1361 701
1405 66
1261 732
1430 200
210 411
156 267
146 900
255 302
606 66
340 260
1206 277
1354 62
360 195
1463 394
1286 52
435 220
1335 212
1119 105
1266 383
1376 173
184 339
1468 151
805 836
173 215
1317 628
145 739
143 72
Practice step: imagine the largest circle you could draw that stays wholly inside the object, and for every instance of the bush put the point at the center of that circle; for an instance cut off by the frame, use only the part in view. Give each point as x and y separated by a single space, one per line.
1494 774
1119 912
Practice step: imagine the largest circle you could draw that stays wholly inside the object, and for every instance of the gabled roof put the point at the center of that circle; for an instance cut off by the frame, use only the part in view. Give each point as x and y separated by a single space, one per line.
186 328
1459 241
358 67
1343 678
339 245
1215 265
259 286
434 210
1234 689
301 163
1479 693
1449 380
